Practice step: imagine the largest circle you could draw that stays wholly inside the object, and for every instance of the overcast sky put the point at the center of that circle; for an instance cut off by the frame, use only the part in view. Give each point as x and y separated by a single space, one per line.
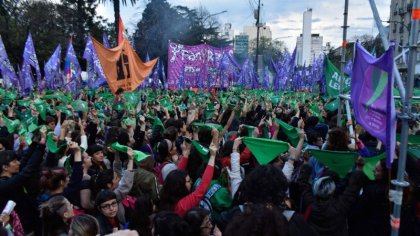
283 16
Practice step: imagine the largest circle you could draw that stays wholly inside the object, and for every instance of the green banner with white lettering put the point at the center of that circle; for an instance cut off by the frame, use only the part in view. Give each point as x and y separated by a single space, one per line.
332 77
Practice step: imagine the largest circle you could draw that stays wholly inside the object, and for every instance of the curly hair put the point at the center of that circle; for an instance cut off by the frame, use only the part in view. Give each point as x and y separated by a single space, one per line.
338 140
173 189
265 184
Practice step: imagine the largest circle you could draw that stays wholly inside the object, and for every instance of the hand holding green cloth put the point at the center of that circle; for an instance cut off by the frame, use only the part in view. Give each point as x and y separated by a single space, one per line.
137 155
158 123
202 151
11 125
333 105
370 163
80 105
24 103
265 150
41 107
290 131
250 130
52 146
208 126
339 162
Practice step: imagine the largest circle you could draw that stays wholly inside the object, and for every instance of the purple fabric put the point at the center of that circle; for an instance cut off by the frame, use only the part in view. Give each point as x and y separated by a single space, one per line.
104 40
29 56
372 96
189 60
95 73
52 69
6 68
72 68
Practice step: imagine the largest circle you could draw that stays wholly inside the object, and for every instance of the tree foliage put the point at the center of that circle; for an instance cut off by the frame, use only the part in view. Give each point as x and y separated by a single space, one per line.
50 24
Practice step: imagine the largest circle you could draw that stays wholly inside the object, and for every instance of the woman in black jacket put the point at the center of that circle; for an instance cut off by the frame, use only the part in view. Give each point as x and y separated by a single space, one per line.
13 177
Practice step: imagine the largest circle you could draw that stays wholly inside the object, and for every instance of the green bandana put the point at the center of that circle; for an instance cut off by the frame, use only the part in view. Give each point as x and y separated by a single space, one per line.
370 163
265 150
339 162
137 155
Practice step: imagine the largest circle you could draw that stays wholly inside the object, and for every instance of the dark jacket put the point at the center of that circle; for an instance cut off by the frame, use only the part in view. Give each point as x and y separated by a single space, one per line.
13 189
329 216
105 226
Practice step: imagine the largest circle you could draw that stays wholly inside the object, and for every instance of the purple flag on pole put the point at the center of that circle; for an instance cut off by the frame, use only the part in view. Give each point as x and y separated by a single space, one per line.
372 96
52 69
29 56
6 68
96 75
72 68
348 68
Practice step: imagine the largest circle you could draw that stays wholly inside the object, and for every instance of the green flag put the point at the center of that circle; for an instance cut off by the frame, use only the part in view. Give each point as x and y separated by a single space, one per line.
11 125
290 131
41 107
119 106
137 155
24 103
265 150
339 162
158 123
208 126
64 110
332 77
414 150
202 151
129 122
209 113
333 105
370 163
131 98
80 105
52 146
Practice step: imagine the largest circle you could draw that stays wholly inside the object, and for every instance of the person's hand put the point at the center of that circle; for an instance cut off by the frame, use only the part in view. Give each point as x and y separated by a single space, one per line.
270 121
261 121
130 153
58 114
142 119
74 146
4 219
301 124
236 143
214 132
301 134
293 153
213 149
111 150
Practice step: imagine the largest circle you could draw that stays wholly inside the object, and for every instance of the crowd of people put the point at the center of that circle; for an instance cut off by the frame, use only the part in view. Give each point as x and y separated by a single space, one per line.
176 163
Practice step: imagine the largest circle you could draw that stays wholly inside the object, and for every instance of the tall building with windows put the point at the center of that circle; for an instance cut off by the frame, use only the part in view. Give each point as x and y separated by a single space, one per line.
399 27
308 45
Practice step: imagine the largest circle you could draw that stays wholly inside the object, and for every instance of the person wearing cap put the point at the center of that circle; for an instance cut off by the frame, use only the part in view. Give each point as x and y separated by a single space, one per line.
13 179
99 162
326 213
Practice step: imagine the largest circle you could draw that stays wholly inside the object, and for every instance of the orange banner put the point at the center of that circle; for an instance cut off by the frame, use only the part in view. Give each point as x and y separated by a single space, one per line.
122 66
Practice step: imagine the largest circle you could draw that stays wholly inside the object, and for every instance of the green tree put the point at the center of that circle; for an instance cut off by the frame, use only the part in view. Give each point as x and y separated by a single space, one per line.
116 5
269 49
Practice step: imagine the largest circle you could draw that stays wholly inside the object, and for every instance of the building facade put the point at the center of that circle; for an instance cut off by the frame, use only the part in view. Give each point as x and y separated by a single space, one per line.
241 44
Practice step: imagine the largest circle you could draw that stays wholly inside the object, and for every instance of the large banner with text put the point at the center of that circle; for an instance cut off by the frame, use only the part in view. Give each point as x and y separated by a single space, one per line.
200 66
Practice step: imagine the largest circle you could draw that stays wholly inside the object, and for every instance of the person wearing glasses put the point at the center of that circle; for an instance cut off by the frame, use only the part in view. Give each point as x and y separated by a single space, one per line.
106 205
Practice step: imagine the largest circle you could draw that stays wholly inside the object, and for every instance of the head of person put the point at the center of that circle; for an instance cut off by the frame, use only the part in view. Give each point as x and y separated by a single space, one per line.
106 203
9 163
314 138
50 122
170 133
85 225
169 223
338 139
56 214
199 221
258 219
176 186
263 185
166 148
119 91
179 125
96 152
107 179
54 179
324 188
380 172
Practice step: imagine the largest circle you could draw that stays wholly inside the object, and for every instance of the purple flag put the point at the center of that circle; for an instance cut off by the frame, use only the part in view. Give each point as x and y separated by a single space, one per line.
72 68
348 68
29 59
96 75
104 40
372 96
6 68
52 69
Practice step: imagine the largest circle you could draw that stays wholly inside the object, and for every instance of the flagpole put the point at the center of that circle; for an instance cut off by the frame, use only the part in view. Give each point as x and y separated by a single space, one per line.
343 58
385 41
406 115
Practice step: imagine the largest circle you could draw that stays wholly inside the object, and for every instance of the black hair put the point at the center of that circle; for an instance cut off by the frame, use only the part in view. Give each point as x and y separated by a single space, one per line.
173 189
194 217
169 223
104 196
312 137
170 133
140 220
264 220
163 150
265 184
6 157
177 123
